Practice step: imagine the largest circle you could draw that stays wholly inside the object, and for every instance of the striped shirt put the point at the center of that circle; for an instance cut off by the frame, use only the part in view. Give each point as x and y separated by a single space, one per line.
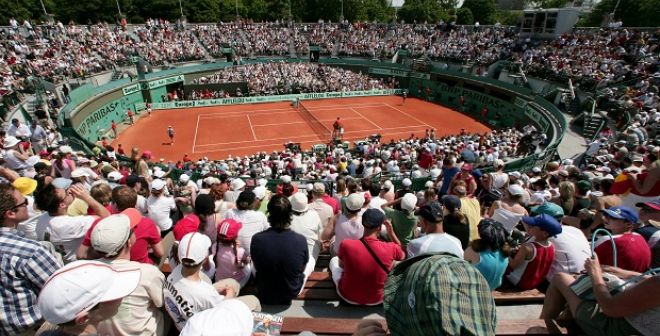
25 265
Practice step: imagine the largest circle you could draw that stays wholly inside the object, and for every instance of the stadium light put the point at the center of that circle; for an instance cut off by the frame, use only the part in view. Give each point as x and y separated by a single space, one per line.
341 17
43 7
118 9
181 8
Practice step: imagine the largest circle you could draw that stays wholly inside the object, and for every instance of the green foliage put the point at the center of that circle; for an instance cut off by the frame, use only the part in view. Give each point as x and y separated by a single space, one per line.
421 11
550 3
638 13
464 16
508 17
482 10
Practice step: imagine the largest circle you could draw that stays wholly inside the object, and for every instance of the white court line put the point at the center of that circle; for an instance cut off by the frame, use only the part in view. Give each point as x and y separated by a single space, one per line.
254 135
298 139
405 113
304 136
195 138
287 110
365 118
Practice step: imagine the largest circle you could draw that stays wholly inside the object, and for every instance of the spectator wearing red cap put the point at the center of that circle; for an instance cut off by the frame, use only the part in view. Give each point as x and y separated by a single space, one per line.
465 175
231 259
142 166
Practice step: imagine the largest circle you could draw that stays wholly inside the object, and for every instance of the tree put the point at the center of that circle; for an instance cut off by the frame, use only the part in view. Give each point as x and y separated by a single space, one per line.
258 10
421 11
639 13
464 16
482 10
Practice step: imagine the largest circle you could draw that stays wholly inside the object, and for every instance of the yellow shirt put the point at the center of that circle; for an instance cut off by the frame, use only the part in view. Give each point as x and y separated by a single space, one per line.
471 208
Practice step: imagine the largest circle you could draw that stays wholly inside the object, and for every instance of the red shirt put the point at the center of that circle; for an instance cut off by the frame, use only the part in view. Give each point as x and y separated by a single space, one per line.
114 126
535 271
331 201
363 279
185 225
633 252
146 234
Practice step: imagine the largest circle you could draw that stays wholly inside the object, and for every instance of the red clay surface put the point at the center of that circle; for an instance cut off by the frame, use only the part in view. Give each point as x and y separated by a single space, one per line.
216 132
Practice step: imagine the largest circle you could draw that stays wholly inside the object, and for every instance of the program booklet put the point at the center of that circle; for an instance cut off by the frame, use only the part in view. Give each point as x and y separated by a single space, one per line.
266 324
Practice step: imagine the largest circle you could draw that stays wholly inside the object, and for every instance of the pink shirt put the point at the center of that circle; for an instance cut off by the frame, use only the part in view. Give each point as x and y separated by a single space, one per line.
225 263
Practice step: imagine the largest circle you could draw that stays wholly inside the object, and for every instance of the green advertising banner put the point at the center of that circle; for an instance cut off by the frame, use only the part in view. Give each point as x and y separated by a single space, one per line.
98 121
398 73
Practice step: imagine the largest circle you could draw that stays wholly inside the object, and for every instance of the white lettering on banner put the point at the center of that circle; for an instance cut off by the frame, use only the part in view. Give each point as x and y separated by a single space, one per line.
166 81
272 99
131 89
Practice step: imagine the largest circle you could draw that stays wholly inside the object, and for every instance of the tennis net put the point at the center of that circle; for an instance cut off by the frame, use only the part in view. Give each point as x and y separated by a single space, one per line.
321 130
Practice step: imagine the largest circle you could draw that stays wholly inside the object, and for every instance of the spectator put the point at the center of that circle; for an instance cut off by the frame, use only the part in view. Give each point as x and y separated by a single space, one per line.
113 238
307 223
253 221
28 266
233 315
91 302
455 223
470 208
317 204
160 206
279 256
187 290
360 269
231 259
529 266
348 225
404 220
649 217
509 210
65 232
490 253
435 239
633 253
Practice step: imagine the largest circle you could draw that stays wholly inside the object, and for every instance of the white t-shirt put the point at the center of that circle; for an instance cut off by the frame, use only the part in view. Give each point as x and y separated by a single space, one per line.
435 243
65 232
309 226
141 205
158 209
253 223
347 229
376 202
184 297
571 250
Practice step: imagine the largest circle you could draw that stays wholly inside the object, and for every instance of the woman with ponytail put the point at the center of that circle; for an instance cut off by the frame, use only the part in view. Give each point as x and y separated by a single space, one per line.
455 223
490 253
230 258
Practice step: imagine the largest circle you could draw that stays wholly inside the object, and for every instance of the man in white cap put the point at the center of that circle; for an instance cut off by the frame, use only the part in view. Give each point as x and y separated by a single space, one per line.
188 290
236 187
27 266
82 294
404 220
65 232
113 238
307 223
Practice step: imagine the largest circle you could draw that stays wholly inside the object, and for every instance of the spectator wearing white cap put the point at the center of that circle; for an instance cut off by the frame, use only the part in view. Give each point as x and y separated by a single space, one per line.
88 302
253 221
404 220
236 185
28 264
113 239
63 164
387 191
500 178
234 317
66 232
307 223
188 290
349 224
510 209
15 158
160 207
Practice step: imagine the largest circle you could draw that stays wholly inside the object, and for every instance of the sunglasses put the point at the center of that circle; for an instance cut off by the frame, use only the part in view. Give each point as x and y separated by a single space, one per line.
22 204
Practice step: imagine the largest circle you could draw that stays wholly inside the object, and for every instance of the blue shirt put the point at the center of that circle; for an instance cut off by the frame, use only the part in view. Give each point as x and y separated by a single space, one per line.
492 265
447 175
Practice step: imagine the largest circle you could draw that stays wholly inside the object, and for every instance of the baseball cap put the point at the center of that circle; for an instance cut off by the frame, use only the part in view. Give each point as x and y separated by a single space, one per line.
373 218
259 192
451 202
355 201
114 176
432 212
319 188
536 198
286 179
621 212
516 190
194 248
653 205
111 233
132 180
387 185
406 182
159 173
157 184
147 154
228 229
79 173
25 185
298 202
61 183
237 184
545 222
81 285
536 170
408 202
233 315
184 178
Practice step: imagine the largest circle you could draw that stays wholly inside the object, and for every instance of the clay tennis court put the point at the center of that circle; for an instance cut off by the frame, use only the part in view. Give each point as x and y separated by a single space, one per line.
218 131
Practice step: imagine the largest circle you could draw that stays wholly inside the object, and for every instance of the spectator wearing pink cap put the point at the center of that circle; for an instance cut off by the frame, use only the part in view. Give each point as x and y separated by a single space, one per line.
87 303
113 239
231 259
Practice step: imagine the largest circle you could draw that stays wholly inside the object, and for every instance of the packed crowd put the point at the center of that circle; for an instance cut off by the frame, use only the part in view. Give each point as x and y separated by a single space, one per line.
66 216
284 78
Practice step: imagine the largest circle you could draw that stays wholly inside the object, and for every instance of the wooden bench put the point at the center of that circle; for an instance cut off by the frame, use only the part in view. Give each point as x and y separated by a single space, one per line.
319 286
330 326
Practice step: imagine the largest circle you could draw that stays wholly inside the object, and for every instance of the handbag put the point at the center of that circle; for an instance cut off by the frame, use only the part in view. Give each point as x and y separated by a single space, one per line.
380 263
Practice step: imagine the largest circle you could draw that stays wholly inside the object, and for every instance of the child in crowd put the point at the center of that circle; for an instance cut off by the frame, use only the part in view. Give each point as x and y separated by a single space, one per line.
230 258
531 263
